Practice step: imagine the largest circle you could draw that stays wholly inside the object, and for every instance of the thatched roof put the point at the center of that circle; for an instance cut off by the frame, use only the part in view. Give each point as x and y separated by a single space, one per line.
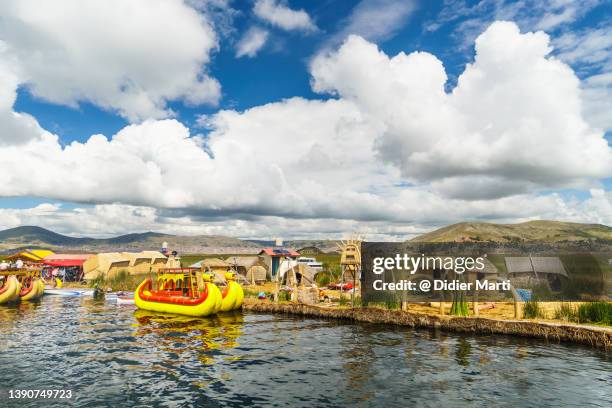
245 261
211 263
539 264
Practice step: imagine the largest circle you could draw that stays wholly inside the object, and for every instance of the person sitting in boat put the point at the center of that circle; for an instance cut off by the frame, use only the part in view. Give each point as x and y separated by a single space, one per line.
19 264
4 265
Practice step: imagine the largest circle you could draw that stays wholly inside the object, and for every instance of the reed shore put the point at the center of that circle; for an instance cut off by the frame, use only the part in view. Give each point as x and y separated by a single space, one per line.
600 337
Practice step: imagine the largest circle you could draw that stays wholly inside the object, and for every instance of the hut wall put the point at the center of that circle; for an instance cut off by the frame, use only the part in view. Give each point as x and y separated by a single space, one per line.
257 274
116 267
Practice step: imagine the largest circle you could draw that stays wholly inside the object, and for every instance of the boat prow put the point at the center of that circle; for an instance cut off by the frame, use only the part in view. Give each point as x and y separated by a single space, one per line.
32 289
233 295
9 292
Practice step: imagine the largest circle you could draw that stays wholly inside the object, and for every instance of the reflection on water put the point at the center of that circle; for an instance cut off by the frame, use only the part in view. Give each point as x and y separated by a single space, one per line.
114 356
183 334
463 352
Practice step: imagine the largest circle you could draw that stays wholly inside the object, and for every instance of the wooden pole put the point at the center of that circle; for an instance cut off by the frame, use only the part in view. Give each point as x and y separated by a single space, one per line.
475 303
276 283
295 286
354 287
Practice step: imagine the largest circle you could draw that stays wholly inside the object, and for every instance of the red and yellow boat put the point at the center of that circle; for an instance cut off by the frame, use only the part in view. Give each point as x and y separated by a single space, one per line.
185 291
20 284
32 286
9 290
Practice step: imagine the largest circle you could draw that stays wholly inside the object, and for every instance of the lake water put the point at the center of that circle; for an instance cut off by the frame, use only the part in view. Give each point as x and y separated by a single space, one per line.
111 355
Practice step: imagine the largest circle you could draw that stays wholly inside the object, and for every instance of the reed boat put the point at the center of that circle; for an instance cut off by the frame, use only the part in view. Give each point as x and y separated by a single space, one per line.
9 291
232 295
32 287
184 291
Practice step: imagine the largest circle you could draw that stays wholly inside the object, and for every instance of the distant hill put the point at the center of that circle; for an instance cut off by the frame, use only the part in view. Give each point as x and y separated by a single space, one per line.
531 231
37 237
325 245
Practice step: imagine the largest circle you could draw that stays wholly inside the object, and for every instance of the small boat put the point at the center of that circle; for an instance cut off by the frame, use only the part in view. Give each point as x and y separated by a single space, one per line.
232 295
125 300
311 262
185 291
69 292
9 291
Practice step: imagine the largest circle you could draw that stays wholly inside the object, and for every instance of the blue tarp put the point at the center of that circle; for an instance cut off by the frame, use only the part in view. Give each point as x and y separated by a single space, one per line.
524 294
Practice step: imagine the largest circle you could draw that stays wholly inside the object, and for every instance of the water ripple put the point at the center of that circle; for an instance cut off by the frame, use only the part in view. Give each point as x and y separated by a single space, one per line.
115 356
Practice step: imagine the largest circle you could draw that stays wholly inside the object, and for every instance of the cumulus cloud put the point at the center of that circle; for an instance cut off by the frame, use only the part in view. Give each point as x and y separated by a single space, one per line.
251 42
280 15
514 116
587 48
391 147
131 57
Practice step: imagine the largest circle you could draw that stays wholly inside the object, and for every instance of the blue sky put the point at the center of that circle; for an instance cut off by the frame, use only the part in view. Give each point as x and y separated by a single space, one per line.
281 68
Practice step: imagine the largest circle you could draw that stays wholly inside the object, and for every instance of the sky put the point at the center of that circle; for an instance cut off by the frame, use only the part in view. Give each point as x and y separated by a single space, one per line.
303 119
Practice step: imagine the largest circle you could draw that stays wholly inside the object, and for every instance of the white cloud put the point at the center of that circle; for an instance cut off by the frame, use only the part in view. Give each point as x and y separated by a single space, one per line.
515 114
588 49
106 220
16 127
393 148
280 15
472 18
132 57
375 20
597 91
251 42
220 14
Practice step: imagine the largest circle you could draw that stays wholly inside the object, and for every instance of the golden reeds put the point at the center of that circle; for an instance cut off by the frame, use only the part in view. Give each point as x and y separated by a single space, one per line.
594 336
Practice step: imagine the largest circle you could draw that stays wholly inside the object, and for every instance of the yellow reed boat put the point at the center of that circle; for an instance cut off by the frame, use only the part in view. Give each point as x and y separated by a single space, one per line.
9 291
184 291
32 286
233 295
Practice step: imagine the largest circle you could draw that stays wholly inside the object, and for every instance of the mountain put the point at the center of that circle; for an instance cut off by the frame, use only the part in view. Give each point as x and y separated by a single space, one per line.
531 231
37 237
325 245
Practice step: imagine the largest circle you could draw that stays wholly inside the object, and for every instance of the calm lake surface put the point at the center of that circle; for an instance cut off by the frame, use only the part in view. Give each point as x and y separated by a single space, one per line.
111 355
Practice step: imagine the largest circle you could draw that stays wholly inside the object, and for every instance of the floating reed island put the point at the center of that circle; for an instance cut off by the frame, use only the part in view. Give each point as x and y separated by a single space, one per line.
600 337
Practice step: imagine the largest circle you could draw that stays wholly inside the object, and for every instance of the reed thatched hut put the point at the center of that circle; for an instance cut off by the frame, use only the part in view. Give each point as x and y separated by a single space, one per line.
528 270
109 264
253 268
310 251
145 261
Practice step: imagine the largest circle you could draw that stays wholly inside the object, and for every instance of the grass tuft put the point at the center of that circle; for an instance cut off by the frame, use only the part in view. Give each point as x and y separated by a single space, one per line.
532 310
